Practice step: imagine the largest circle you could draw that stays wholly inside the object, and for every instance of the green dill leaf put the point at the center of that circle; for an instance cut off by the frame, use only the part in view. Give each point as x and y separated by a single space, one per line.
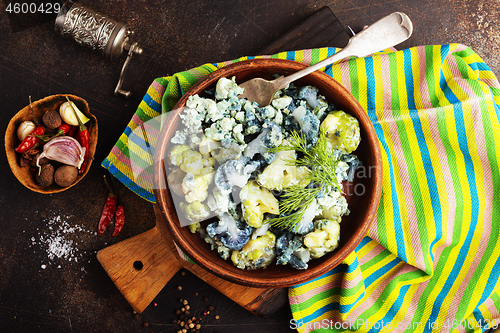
322 161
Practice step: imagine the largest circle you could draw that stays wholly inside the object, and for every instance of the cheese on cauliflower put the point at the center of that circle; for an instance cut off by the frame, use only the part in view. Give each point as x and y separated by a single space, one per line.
342 131
195 186
257 253
255 201
226 88
324 239
280 174
195 211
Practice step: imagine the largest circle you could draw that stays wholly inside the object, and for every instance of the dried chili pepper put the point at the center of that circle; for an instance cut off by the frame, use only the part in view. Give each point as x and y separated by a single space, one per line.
31 140
119 219
109 209
82 136
120 211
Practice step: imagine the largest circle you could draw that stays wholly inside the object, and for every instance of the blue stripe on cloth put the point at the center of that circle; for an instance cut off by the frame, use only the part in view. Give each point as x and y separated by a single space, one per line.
439 229
142 144
479 318
353 266
401 249
151 103
127 131
128 182
334 306
386 322
329 53
469 171
490 284
479 66
370 83
337 269
424 149
290 55
381 271
364 241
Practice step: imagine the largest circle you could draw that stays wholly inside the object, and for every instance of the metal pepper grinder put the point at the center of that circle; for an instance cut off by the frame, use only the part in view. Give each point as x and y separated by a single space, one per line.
99 32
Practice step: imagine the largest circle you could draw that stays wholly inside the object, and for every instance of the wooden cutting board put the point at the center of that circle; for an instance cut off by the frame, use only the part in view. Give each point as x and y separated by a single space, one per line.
142 265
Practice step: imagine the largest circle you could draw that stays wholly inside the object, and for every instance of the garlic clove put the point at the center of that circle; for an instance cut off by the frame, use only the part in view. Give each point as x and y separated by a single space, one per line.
69 117
24 129
63 149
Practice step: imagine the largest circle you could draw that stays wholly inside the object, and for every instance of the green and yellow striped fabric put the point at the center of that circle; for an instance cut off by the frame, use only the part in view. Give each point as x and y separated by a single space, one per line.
431 262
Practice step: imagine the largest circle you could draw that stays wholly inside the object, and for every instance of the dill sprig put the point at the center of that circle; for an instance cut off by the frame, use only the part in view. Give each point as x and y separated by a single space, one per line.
322 162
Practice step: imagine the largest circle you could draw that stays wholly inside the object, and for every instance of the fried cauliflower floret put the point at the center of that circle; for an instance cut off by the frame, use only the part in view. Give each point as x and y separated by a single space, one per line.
342 131
257 253
195 211
324 239
255 201
189 161
175 155
333 206
192 162
280 174
195 186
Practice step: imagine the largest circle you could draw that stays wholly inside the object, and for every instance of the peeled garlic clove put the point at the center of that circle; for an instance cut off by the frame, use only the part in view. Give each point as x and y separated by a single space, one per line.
24 129
63 149
69 117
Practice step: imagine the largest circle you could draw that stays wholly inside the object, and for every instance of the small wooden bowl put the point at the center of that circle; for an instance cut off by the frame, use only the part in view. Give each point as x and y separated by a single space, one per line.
363 198
53 102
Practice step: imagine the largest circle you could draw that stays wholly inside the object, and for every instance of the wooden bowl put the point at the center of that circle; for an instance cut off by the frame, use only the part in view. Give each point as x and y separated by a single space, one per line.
53 102
363 198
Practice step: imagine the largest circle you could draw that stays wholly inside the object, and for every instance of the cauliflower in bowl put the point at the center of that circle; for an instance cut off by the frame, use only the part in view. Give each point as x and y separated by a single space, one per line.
255 201
264 185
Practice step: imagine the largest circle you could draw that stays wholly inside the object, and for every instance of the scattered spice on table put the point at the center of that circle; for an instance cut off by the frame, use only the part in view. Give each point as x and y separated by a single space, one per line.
59 238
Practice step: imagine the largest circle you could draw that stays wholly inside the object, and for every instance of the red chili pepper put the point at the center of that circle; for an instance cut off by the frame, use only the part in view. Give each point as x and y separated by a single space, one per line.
119 219
109 210
72 131
83 137
63 129
31 139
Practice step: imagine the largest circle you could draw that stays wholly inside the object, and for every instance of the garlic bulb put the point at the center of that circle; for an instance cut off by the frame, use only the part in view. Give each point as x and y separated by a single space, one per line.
68 115
63 149
24 129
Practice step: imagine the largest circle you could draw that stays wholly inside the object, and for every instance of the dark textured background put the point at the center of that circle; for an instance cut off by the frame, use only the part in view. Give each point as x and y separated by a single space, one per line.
77 296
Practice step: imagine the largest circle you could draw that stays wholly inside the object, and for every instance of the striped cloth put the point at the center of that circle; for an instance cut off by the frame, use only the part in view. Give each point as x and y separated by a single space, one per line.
431 262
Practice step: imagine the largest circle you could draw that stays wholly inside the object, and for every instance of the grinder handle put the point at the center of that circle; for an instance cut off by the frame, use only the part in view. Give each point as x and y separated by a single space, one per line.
132 49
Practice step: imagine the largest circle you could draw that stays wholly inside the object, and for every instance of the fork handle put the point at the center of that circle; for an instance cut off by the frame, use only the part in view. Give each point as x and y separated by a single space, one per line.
386 32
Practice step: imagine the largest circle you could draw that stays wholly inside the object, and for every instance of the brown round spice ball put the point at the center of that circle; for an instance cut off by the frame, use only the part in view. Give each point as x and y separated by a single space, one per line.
45 176
52 119
65 175
43 160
